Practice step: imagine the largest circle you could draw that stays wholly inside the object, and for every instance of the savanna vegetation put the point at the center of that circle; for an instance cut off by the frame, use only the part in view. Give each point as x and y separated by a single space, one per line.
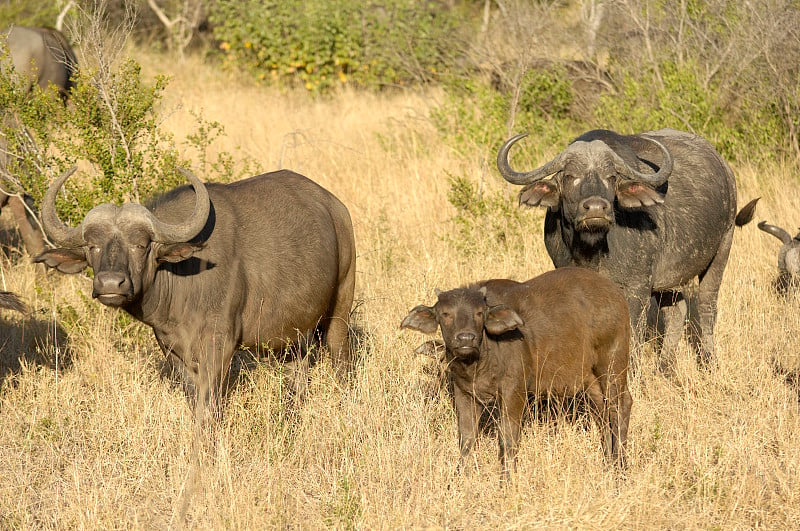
398 108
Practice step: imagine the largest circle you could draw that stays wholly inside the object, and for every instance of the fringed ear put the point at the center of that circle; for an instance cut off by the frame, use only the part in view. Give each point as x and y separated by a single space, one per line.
422 319
69 261
633 194
540 193
501 319
176 252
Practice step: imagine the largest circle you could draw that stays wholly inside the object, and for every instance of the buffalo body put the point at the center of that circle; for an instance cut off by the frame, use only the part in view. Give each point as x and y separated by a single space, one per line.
262 263
562 333
654 212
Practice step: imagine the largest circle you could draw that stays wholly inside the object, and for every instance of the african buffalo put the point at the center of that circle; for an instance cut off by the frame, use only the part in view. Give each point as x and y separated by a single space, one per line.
562 333
43 56
260 263
651 211
788 259
10 301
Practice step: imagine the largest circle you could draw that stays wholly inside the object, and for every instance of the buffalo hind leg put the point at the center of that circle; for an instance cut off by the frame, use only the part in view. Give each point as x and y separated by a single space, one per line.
703 305
337 334
512 408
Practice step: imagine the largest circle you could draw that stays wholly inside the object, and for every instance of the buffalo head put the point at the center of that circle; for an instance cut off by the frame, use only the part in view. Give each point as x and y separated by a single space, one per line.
584 181
788 257
463 314
122 244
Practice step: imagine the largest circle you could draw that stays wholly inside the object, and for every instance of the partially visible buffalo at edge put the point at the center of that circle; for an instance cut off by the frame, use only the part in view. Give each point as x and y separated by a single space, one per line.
788 259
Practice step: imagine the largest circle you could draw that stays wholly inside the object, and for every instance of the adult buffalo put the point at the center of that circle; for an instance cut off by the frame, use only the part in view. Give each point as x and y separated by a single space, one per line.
260 263
40 57
43 56
651 211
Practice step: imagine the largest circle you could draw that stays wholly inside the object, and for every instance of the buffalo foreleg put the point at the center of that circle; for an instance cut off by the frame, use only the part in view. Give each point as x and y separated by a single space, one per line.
468 412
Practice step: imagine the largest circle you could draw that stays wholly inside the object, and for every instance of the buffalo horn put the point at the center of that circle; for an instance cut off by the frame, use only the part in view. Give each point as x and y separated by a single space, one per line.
515 177
778 232
62 234
653 179
165 233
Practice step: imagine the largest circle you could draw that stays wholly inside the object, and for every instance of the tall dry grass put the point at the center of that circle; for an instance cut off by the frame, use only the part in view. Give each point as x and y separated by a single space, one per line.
92 436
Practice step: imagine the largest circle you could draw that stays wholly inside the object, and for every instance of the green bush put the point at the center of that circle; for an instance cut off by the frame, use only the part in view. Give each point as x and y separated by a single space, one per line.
112 122
485 222
321 44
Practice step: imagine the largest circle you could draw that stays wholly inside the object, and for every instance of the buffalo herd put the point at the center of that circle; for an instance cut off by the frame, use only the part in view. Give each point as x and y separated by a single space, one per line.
638 227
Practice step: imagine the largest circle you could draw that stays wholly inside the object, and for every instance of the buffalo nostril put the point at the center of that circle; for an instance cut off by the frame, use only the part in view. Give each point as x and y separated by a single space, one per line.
595 203
466 336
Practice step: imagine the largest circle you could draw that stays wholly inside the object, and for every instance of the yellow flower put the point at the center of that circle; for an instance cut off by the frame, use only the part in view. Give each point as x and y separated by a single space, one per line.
248 44
225 45
342 77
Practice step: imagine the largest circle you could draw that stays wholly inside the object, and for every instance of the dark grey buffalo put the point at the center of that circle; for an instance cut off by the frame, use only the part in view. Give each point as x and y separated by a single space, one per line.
788 258
10 301
562 333
259 263
654 212
43 56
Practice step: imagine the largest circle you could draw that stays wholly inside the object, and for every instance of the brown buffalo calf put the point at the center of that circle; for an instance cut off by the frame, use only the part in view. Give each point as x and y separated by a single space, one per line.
562 333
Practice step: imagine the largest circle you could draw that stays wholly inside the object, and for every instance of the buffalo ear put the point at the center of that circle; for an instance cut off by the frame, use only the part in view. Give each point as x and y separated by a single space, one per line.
176 252
501 319
634 194
422 319
540 193
69 261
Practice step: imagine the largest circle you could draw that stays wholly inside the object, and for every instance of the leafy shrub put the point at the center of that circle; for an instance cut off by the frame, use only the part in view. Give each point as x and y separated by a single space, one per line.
111 122
485 222
321 44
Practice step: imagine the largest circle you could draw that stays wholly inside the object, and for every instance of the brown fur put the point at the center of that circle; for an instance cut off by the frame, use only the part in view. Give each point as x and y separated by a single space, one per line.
562 333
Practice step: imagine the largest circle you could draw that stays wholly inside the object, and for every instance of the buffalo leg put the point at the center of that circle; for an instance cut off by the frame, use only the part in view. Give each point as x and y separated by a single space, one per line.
670 312
512 408
468 414
703 305
337 335
600 412
638 307
618 409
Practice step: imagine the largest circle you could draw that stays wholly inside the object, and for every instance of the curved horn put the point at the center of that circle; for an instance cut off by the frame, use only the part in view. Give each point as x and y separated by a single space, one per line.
166 233
778 232
63 235
515 177
653 179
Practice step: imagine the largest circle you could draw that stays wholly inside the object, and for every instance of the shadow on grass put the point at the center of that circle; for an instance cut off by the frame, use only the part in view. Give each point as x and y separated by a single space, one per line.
31 340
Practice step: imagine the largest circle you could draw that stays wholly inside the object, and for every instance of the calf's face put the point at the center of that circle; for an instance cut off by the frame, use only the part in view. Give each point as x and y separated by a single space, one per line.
463 315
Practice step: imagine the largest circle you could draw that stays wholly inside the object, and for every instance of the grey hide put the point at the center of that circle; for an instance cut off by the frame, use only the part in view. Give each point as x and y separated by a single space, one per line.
265 262
654 212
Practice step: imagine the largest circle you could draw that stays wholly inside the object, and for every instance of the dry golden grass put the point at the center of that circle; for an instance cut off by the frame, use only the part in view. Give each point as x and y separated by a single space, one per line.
91 436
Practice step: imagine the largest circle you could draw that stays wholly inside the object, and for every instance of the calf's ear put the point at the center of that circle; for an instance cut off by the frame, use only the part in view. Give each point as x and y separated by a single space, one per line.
501 319
422 319
69 261
540 193
176 252
633 194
